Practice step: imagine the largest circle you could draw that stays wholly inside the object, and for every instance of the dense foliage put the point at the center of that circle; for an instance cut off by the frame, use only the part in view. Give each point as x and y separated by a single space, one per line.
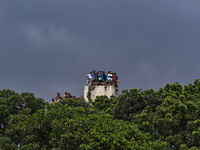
165 119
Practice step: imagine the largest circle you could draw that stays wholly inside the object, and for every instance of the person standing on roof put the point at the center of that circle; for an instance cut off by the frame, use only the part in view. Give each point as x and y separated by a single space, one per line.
89 78
100 77
97 77
94 76
104 76
115 77
117 83
110 77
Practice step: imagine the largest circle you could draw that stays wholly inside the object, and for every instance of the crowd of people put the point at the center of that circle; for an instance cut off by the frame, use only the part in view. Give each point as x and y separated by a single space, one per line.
100 78
93 78
65 96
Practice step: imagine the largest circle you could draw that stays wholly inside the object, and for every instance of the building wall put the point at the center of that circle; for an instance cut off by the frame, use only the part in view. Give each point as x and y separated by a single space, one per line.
99 90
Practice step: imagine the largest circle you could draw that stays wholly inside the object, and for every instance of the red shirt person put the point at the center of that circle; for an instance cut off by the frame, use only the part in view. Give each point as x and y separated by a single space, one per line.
115 77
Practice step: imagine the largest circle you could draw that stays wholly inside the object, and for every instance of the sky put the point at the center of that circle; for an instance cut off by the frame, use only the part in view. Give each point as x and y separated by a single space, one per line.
49 46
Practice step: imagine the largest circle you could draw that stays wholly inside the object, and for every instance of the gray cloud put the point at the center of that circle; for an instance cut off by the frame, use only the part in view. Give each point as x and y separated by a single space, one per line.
49 46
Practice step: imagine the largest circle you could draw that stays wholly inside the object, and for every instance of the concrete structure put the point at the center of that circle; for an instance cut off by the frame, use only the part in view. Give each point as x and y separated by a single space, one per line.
99 90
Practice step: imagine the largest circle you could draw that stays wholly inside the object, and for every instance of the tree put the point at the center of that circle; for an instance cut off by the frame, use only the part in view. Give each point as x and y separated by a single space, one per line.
63 127
176 119
104 103
163 119
15 108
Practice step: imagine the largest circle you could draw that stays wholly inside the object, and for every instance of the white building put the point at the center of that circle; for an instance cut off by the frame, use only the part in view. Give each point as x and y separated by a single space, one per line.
97 90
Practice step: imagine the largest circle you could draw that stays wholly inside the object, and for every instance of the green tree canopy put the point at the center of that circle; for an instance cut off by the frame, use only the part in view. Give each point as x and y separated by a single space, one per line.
165 119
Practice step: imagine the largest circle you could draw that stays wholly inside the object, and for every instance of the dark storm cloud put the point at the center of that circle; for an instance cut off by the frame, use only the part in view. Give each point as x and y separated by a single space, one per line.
49 46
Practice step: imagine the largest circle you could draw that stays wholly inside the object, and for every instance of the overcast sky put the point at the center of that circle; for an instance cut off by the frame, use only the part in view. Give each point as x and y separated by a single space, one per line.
50 45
